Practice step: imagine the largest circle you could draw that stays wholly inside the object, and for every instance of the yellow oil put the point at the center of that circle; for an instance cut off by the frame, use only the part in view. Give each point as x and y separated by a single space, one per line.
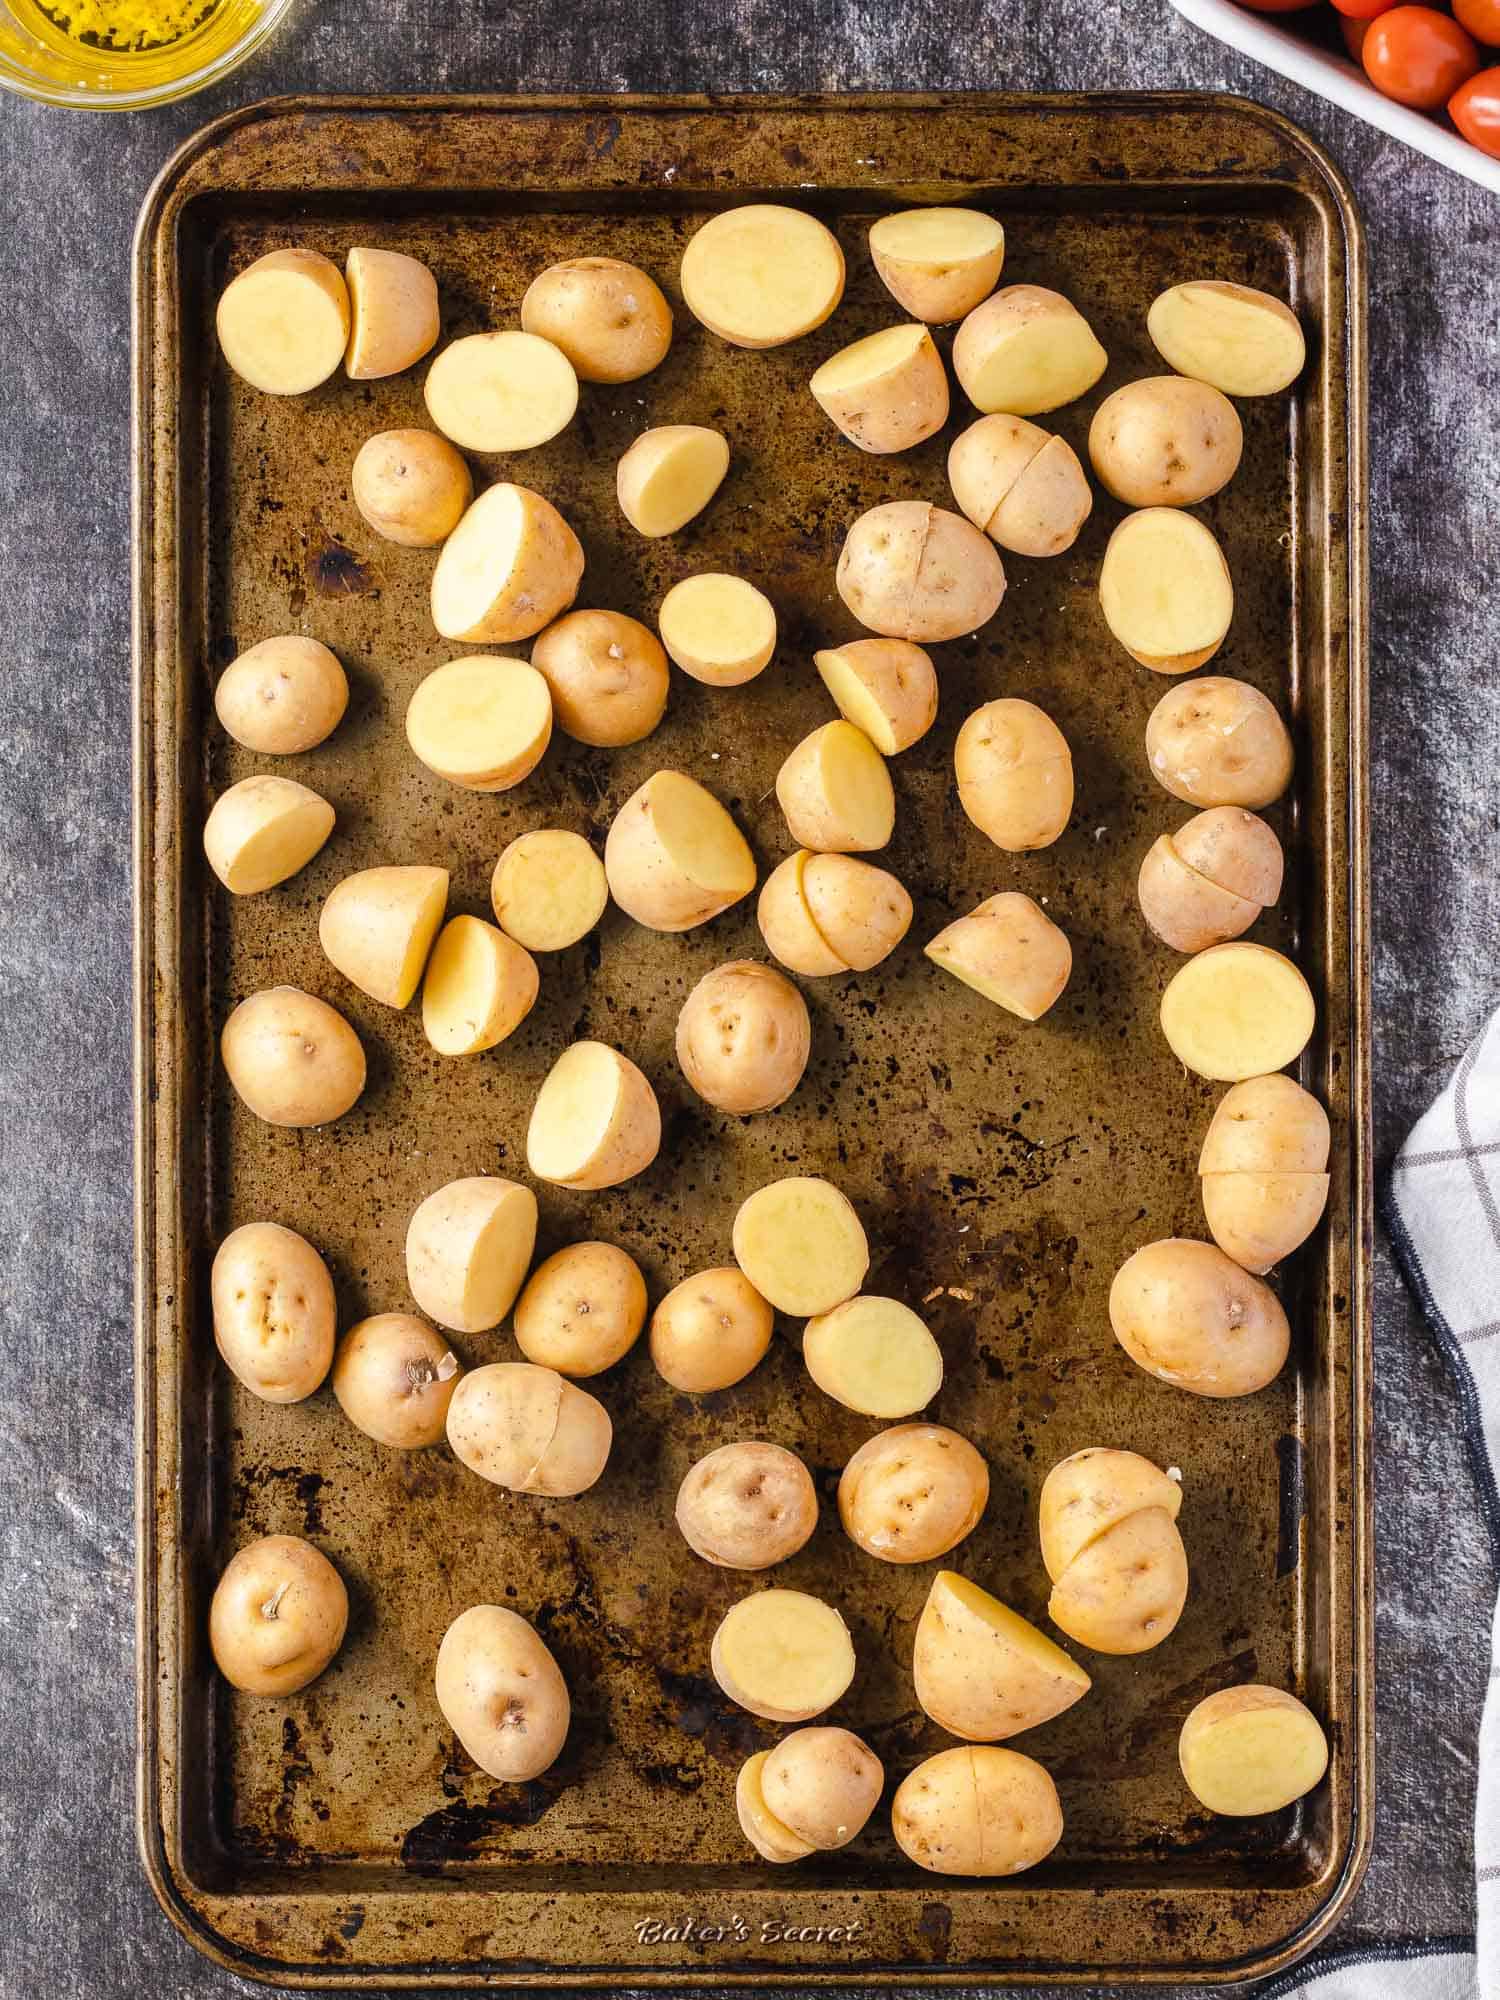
123 45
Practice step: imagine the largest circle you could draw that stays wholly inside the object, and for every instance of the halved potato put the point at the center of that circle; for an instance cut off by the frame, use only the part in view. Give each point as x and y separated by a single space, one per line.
283 323
262 830
670 474
875 1356
510 567
480 986
977 1810
1209 881
1015 774
861 912
529 1429
783 1655
393 301
938 263
1264 1170
1022 486
377 928
1087 1493
1165 590
771 1839
505 391
1026 350
836 792
1010 951
801 1245
718 628
910 570
1219 742
468 1246
674 857
886 687
887 392
761 275
1236 1011
1125 1590
482 721
1251 1750
1245 342
787 925
595 1122
548 889
984 1672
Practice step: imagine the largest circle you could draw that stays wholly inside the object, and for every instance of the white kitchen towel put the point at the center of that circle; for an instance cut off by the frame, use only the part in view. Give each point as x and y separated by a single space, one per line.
1441 1206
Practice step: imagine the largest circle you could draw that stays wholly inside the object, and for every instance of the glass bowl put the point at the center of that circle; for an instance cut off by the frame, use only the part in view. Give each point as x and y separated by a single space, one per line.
40 59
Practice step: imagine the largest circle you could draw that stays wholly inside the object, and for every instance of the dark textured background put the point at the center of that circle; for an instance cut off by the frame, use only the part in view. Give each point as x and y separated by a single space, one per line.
81 1924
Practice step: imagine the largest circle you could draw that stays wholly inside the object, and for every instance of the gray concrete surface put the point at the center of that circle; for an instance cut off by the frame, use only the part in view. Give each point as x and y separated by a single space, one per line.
80 1922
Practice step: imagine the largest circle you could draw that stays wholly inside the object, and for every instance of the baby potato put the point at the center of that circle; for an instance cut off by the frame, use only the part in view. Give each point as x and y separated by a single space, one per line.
800 1244
528 1429
938 262
262 830
278 1616
875 1356
1026 350
1165 442
912 1493
786 922
467 1249
718 628
747 1506
822 1784
607 316
1165 590
669 475
607 674
502 1693
1111 1547
783 1655
910 570
505 391
744 1037
394 1378
673 856
411 486
766 1834
762 275
508 569
1251 1750
1023 487
710 1331
977 1810
582 1309
283 323
982 1671
274 1311
1264 1170
393 305
1236 1011
483 721
1242 341
1015 774
822 914
548 889
292 1059
595 1122
377 928
1010 951
1208 882
1189 1315
886 392
836 793
479 988
1219 742
283 695
885 687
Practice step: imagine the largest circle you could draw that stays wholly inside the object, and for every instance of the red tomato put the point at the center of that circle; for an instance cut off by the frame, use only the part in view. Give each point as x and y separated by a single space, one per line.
1480 17
1475 109
1419 56
1363 10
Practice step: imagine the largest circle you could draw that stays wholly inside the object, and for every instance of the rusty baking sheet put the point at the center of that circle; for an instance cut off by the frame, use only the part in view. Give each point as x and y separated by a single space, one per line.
340 1837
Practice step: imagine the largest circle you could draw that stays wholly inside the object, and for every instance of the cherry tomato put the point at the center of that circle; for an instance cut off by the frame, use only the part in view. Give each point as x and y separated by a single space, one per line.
1419 56
1475 109
1363 10
1480 17
1354 33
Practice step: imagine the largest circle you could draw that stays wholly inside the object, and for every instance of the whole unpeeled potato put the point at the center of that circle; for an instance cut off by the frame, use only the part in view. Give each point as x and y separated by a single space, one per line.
502 1693
274 1311
278 1616
292 1058
744 1037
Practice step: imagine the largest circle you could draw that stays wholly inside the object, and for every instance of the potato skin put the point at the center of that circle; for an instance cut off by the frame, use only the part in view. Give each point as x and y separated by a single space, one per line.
608 675
394 314
823 1784
609 318
771 1840
910 570
1264 1170
1010 951
293 1059
894 410
861 912
1087 1493
1165 442
582 1309
274 1311
1219 742
1189 1315
1111 1546
1209 881
936 289
898 690
1020 485
646 878
278 1616
449 1278
747 1506
912 1493
710 1331
528 1429
411 486
282 695
540 585
1015 774
977 1810
394 1377
786 922
983 1672
502 1693
744 1037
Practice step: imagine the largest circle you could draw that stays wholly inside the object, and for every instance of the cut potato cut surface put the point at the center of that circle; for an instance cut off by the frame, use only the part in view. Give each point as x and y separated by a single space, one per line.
504 391
982 1671
480 986
801 1245
673 855
595 1121
1165 591
1251 1750
377 927
718 628
283 323
836 792
262 830
510 567
762 275
548 889
874 1355
482 721
669 475
938 262
886 687
1236 1011
1243 342
468 1246
783 1655
887 392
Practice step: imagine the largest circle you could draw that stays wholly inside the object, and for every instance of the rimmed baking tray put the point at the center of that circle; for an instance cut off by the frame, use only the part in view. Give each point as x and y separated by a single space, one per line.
340 1837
